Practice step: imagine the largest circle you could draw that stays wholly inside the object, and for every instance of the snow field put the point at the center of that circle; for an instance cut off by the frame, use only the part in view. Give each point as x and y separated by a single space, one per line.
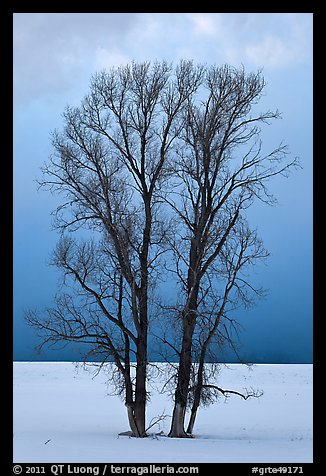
63 415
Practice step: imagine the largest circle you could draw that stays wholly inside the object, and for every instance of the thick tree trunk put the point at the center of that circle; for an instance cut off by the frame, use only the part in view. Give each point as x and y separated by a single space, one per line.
136 402
132 421
141 355
136 408
141 359
136 419
177 425
140 398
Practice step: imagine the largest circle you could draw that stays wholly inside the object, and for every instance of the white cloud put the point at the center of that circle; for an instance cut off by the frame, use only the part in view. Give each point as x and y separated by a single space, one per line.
205 23
106 58
285 42
278 41
272 52
52 50
274 40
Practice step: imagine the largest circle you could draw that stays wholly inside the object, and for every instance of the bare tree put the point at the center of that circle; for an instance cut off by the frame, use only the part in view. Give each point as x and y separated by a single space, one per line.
146 141
219 170
109 163
226 290
96 312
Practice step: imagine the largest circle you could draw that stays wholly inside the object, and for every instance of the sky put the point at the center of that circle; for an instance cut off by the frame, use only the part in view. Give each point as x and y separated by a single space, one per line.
54 57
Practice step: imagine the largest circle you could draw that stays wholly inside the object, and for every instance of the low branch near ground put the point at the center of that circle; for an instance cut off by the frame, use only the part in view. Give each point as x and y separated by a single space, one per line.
225 392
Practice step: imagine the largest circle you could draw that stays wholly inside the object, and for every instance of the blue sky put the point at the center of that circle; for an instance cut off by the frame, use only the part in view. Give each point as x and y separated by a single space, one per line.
55 55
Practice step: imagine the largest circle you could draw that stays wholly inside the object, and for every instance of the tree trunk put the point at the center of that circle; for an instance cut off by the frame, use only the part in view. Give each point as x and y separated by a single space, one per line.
136 406
184 370
192 420
185 362
141 369
197 391
140 419
132 421
197 396
195 406
140 398
177 425
141 354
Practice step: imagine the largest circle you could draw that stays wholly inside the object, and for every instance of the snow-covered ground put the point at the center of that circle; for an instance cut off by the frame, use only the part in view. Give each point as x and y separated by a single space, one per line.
62 416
